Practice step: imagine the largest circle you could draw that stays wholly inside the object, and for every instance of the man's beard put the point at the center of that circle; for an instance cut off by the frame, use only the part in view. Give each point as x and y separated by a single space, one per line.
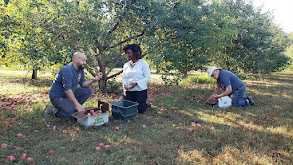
80 67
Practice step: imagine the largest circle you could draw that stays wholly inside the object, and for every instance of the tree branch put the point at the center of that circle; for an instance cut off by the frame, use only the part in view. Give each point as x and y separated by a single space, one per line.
114 75
115 58
114 28
128 39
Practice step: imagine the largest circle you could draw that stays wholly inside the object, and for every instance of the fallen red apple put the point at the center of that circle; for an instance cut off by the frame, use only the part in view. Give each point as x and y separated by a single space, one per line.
30 159
101 144
197 125
13 119
107 146
52 152
98 148
274 152
116 128
65 131
23 156
180 124
7 123
19 135
16 148
10 158
9 119
4 145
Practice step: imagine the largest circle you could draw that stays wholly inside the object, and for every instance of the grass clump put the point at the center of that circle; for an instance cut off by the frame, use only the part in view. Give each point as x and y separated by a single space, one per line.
201 79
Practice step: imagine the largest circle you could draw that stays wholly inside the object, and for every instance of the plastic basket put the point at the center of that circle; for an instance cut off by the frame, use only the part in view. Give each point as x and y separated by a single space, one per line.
124 110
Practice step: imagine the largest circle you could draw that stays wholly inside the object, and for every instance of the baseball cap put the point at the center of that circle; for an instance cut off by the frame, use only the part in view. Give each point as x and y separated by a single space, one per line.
211 70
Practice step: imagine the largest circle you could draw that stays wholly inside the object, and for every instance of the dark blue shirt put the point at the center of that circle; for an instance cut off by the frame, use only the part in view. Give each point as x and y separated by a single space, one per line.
227 78
67 78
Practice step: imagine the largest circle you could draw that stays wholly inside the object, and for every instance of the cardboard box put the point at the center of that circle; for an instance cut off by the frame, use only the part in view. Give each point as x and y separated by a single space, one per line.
87 119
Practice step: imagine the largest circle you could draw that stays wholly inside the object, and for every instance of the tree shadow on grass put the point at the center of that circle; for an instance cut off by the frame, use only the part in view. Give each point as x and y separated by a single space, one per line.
40 82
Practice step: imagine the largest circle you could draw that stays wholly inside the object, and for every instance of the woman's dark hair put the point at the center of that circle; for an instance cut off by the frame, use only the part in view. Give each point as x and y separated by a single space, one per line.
135 48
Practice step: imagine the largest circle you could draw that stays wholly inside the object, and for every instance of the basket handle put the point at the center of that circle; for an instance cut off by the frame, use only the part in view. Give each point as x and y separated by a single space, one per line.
125 115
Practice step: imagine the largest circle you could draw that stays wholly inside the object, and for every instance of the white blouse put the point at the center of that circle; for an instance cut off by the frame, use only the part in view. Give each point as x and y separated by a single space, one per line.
140 74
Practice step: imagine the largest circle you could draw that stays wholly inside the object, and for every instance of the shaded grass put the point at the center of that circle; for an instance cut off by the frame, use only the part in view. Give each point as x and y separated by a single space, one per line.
255 131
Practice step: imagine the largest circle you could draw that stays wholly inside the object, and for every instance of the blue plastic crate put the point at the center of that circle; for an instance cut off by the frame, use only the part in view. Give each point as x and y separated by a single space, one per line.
124 110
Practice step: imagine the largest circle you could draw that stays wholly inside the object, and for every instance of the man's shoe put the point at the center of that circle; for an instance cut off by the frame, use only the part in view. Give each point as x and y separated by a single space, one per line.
49 110
251 102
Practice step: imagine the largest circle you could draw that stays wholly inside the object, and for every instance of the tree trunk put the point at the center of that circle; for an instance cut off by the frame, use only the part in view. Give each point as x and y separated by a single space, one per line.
184 71
102 64
35 71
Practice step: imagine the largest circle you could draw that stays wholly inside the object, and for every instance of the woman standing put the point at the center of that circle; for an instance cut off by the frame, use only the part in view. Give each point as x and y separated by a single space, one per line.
136 74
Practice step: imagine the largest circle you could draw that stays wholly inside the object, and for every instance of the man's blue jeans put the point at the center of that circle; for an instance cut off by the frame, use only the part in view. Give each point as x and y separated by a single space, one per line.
237 97
66 107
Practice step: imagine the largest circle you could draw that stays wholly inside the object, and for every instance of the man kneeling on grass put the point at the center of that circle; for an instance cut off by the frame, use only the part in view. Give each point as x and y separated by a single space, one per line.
231 85
65 94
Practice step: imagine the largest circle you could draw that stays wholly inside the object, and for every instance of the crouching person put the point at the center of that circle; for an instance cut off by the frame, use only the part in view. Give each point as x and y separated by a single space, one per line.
231 85
70 89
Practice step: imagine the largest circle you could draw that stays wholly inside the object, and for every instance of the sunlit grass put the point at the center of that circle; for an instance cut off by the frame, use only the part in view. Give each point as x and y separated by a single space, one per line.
252 135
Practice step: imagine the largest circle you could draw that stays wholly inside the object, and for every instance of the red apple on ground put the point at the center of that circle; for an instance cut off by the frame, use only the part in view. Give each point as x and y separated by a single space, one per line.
4 145
52 152
30 159
116 128
16 148
65 131
9 119
98 148
197 125
274 152
23 156
101 144
180 124
107 146
19 135
10 158
7 123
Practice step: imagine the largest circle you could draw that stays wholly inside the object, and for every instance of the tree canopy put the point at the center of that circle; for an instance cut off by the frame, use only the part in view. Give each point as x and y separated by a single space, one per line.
180 35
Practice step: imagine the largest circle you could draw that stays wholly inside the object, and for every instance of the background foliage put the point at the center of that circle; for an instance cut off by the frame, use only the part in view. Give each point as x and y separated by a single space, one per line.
175 35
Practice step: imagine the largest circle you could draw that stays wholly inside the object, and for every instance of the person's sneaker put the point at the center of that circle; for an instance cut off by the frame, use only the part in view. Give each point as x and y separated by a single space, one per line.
251 102
49 110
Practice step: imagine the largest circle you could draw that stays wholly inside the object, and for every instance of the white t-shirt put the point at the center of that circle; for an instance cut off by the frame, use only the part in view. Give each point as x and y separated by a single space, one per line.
140 74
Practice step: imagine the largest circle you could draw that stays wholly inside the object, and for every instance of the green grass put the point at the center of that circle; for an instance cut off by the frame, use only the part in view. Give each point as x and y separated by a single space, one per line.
255 131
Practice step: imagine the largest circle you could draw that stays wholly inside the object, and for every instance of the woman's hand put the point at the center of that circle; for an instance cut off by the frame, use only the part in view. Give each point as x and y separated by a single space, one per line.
130 86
